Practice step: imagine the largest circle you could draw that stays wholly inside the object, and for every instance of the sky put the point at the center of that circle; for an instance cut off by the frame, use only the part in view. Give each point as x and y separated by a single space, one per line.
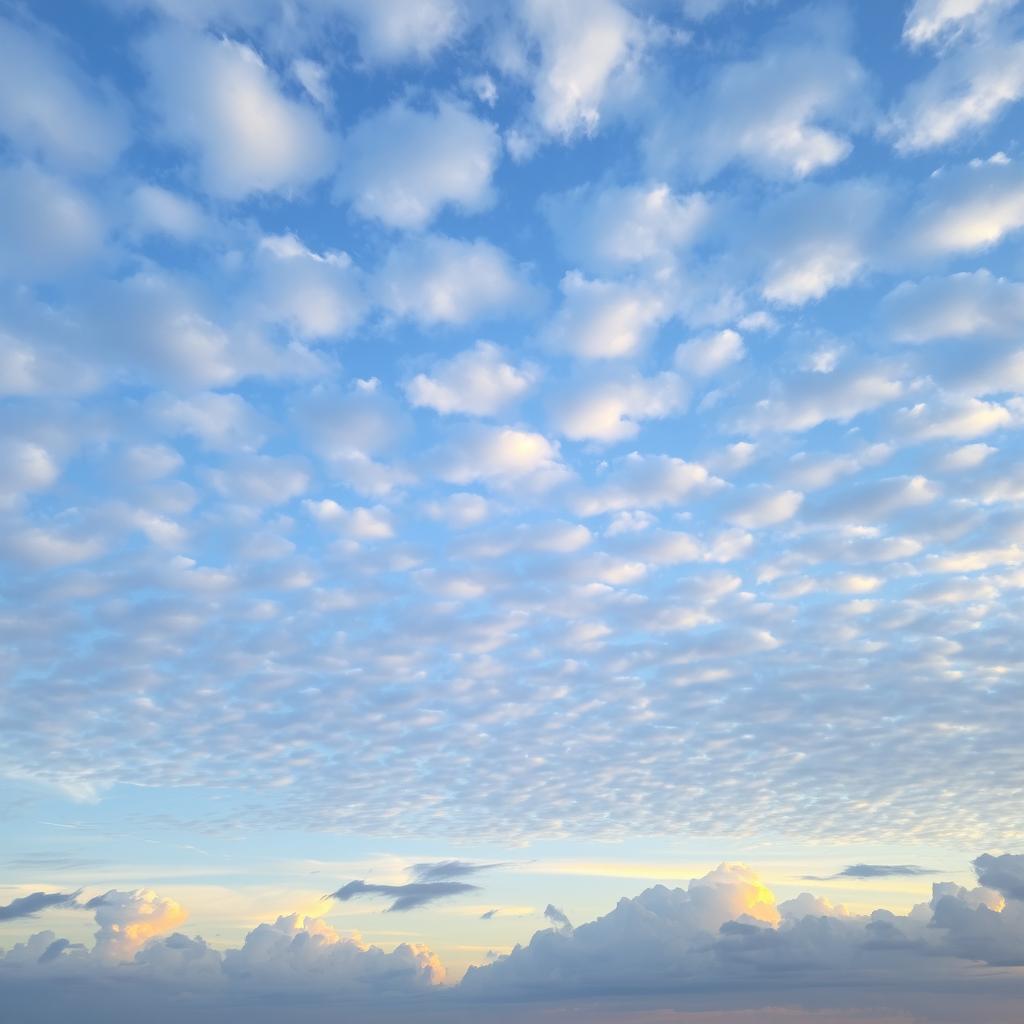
511 511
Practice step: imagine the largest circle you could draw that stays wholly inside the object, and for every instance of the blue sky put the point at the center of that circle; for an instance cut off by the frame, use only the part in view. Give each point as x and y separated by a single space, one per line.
560 448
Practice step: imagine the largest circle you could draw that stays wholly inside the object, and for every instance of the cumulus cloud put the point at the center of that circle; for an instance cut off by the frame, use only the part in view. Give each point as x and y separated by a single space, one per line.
402 165
246 135
604 319
504 457
50 108
785 113
611 409
477 381
436 280
939 21
395 30
128 920
639 481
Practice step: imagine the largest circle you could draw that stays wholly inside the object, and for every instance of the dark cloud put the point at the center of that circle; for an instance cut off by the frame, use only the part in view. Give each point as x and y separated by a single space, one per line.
29 906
444 870
874 871
1005 873
404 897
489 915
55 948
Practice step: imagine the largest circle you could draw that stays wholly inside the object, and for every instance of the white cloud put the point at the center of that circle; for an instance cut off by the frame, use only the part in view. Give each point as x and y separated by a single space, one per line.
583 45
503 456
964 305
357 523
784 113
402 166
762 506
439 280
319 295
704 357
966 210
961 419
459 510
645 481
606 228
967 456
49 109
128 920
24 467
477 381
390 31
47 227
611 409
260 479
246 134
968 89
156 210
939 21
224 422
805 401
604 319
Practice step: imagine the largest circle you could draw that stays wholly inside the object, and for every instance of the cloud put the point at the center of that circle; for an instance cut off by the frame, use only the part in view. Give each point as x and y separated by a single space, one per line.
230 112
764 506
968 89
29 906
557 918
583 46
318 295
783 113
882 871
639 481
1004 873
128 920
622 226
604 319
974 304
50 108
410 896
704 357
390 31
48 228
938 21
476 381
435 280
260 479
503 456
444 870
402 166
611 409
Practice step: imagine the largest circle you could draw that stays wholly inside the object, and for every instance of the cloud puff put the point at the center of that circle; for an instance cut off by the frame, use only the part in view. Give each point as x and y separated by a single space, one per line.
437 280
639 481
476 381
231 113
611 409
783 113
128 920
503 456
402 165
604 319
50 109
396 30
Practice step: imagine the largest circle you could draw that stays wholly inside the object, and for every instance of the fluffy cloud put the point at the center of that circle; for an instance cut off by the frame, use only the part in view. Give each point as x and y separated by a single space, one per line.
611 409
936 21
231 113
645 481
604 319
783 113
439 280
476 381
966 91
401 166
613 227
503 456
396 30
704 357
127 920
584 45
49 108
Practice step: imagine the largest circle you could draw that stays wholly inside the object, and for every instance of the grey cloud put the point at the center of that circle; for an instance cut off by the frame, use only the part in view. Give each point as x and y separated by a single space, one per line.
444 870
1004 873
404 897
557 918
29 906
882 871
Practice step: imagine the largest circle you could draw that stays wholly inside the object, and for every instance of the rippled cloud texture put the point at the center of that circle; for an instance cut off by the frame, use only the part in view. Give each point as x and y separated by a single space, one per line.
496 423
